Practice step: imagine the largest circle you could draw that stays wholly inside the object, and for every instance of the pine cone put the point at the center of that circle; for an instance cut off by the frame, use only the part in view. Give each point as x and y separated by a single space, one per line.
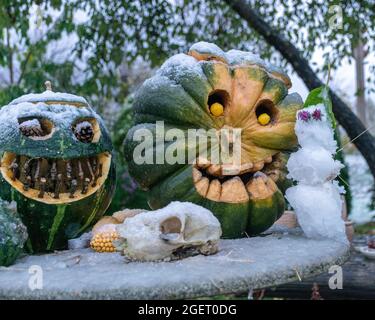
84 132
31 128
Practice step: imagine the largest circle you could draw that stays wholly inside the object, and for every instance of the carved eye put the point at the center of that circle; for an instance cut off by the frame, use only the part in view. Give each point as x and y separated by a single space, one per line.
217 102
266 112
86 130
35 128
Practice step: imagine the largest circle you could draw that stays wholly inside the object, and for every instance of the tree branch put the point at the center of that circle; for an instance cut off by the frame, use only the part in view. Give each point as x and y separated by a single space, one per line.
23 66
10 58
353 126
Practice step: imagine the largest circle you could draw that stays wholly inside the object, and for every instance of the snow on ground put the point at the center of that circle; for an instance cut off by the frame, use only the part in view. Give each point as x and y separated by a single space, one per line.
361 183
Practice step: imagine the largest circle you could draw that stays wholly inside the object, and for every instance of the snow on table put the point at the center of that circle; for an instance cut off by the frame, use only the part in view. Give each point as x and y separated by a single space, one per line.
240 265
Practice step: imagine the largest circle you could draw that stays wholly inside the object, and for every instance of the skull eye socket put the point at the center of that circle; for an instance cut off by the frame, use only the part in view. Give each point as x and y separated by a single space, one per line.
266 112
171 225
36 128
86 130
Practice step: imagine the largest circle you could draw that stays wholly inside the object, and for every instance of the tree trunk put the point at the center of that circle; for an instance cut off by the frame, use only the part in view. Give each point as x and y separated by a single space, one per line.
364 141
359 57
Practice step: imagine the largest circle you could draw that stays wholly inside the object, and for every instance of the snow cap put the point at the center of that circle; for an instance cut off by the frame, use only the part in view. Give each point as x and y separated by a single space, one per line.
51 97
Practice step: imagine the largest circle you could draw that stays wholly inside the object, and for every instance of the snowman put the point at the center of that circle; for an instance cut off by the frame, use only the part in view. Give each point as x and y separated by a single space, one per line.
316 196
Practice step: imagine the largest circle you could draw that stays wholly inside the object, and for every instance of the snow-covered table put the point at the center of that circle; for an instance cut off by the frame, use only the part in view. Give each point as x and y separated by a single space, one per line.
240 265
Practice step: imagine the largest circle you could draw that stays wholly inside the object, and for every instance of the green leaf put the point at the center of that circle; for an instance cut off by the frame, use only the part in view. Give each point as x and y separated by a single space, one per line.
321 95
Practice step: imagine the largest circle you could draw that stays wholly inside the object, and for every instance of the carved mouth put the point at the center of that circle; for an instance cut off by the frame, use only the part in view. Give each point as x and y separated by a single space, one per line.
252 180
55 181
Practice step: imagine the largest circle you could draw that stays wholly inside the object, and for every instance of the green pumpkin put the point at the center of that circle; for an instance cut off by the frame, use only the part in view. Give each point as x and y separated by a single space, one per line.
13 234
57 165
211 89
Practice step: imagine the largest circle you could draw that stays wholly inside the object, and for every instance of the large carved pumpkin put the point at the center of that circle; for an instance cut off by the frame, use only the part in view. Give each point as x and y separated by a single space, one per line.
56 164
211 89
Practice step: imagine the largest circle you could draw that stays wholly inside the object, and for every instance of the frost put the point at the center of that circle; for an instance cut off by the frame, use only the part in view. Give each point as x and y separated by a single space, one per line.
83 125
59 114
34 123
208 48
235 57
180 65
49 96
316 198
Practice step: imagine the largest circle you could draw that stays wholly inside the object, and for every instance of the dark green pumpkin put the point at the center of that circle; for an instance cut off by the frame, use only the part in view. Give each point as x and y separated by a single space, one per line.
181 95
58 213
13 234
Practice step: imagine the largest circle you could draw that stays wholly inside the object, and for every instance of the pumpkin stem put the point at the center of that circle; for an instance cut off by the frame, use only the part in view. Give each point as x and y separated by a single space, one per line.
48 85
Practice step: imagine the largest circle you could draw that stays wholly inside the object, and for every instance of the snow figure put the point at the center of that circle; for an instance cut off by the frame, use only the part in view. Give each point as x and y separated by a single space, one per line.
316 197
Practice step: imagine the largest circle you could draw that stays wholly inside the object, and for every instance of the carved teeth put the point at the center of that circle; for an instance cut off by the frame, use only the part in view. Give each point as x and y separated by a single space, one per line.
197 175
51 178
215 170
43 182
214 190
202 186
268 159
274 174
233 184
203 163
260 186
258 166
233 191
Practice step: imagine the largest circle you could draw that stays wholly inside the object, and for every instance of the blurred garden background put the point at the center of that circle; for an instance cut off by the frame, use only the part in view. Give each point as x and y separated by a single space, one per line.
103 50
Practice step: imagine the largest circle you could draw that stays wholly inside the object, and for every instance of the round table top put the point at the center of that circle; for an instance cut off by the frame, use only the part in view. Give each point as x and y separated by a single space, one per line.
240 265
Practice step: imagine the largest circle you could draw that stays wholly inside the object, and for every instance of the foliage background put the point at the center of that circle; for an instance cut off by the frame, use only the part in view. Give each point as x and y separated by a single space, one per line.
104 49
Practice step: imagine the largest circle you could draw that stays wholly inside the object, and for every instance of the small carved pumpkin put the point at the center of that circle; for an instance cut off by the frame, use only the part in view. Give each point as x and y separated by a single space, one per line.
56 164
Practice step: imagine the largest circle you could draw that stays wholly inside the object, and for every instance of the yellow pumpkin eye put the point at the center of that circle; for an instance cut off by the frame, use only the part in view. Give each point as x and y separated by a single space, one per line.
217 109
264 119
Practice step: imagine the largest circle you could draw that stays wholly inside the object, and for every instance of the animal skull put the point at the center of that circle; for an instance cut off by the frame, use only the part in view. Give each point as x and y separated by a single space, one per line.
178 230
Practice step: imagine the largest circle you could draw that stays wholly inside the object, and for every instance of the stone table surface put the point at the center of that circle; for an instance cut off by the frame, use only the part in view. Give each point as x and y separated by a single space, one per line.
240 265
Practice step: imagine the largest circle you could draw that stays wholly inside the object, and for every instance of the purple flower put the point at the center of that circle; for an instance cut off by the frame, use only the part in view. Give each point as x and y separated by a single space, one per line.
317 114
304 116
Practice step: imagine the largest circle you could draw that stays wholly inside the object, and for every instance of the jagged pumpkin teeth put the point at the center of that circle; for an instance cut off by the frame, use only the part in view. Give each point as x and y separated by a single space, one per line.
234 191
88 164
85 185
202 186
73 188
197 175
258 166
268 159
42 186
261 186
203 163
215 170
50 180
214 190
274 174
100 174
